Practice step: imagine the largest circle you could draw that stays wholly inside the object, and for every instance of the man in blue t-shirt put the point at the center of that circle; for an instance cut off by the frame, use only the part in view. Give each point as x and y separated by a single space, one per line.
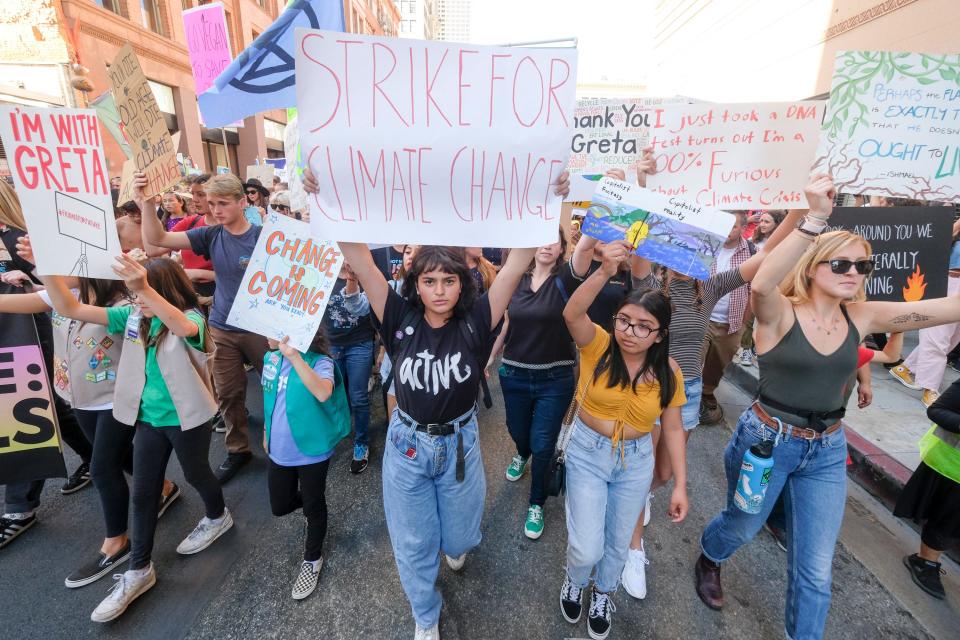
229 245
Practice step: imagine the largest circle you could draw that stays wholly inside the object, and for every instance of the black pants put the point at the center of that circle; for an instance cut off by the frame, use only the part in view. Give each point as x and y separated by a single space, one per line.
112 455
151 452
304 486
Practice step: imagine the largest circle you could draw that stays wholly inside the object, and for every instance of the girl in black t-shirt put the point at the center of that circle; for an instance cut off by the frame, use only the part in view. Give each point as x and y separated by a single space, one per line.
438 334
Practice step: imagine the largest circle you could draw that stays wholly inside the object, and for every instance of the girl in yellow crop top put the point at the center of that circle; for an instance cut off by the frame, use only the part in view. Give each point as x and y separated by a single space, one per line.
627 381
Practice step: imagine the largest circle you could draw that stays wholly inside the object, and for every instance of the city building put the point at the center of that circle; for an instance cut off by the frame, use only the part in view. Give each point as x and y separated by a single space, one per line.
41 39
453 20
418 19
753 50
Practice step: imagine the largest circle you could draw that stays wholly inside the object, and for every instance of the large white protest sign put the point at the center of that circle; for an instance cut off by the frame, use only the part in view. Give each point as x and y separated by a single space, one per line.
893 125
736 156
609 133
668 230
287 283
433 142
60 172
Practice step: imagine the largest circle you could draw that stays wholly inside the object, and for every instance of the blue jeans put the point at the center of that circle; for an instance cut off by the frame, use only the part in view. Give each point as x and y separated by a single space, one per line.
814 474
427 510
355 361
605 495
534 402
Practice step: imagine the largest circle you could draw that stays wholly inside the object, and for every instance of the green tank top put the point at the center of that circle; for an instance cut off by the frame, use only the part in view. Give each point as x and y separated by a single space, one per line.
798 383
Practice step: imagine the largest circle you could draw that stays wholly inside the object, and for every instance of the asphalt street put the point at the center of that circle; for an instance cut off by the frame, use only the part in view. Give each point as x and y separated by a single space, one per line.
240 586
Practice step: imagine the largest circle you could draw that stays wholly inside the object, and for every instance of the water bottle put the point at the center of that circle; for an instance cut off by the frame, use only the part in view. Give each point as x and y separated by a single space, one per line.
755 473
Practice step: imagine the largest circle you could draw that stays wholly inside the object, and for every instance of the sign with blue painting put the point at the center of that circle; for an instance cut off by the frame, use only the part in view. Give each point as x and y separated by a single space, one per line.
667 230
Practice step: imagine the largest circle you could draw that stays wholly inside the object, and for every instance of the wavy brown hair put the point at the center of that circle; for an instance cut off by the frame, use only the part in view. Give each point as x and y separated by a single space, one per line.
450 260
167 278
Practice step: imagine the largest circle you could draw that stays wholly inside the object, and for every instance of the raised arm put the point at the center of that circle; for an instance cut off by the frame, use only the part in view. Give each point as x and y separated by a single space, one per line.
897 317
769 306
581 328
358 256
155 238
506 283
319 388
60 296
135 277
22 303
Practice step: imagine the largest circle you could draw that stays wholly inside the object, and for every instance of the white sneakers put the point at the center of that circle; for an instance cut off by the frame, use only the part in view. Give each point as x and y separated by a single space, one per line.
205 533
455 563
634 576
129 586
433 633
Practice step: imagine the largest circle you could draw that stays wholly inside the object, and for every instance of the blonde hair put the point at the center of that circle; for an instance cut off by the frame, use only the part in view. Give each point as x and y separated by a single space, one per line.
11 213
796 286
227 185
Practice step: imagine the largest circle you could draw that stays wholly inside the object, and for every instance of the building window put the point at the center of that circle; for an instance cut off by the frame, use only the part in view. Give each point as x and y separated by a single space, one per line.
272 129
152 18
110 5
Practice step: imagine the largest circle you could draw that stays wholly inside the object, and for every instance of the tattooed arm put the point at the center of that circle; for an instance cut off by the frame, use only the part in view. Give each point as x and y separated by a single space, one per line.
897 317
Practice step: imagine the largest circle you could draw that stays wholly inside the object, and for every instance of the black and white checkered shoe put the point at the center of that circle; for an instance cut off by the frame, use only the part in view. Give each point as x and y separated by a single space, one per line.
10 527
306 580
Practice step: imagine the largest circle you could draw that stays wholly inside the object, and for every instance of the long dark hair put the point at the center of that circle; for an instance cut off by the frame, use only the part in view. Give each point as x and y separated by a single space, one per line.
320 343
167 278
102 293
777 216
657 359
450 260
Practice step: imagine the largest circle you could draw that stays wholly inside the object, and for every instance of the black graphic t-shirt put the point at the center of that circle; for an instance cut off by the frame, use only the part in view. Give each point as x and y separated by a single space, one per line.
345 328
436 375
388 261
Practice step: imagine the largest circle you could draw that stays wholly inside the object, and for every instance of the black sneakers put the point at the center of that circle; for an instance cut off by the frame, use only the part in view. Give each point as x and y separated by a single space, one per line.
11 527
77 481
599 617
229 467
571 601
96 569
925 574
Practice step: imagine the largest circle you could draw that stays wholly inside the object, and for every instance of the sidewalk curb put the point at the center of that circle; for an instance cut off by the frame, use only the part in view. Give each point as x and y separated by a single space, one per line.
880 474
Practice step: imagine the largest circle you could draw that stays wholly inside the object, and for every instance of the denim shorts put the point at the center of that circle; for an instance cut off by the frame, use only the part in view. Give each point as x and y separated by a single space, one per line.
690 411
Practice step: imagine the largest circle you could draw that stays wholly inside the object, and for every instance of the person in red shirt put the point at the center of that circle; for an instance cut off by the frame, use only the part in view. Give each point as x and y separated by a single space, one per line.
198 268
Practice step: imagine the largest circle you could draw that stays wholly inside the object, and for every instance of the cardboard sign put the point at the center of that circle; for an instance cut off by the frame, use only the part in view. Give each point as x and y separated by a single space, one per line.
433 142
153 150
893 125
911 248
29 437
287 283
262 172
60 173
736 156
675 233
207 42
608 134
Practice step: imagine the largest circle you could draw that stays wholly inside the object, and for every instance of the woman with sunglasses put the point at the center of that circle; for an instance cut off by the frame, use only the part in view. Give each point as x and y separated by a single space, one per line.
627 381
807 334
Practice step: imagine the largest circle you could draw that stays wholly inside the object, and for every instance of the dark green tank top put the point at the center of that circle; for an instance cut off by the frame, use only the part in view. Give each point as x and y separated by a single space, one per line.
795 375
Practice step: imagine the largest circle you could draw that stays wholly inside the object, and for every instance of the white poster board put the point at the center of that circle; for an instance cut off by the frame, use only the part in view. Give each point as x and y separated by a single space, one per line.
736 156
60 173
893 125
433 142
287 284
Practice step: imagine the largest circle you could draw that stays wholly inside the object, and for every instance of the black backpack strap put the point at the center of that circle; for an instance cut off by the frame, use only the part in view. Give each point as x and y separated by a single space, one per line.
563 290
481 352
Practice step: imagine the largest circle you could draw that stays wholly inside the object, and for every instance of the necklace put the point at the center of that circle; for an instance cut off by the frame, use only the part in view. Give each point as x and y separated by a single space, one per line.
819 327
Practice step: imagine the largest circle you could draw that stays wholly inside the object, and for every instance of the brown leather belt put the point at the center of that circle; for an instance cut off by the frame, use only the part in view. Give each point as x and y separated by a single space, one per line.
790 430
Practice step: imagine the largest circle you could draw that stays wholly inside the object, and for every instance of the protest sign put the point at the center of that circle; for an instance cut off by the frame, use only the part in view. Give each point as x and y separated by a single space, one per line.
433 142
893 125
60 174
668 230
207 43
299 200
608 134
153 150
911 249
262 172
29 439
736 156
287 283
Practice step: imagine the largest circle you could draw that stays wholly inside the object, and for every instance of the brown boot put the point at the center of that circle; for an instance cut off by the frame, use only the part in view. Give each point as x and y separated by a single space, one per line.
710 411
708 582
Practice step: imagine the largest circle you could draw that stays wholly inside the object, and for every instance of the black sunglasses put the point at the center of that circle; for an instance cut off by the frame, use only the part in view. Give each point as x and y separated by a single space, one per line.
842 265
281 207
252 192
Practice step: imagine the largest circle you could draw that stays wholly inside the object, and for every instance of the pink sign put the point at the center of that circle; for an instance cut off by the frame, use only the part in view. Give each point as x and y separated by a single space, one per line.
207 41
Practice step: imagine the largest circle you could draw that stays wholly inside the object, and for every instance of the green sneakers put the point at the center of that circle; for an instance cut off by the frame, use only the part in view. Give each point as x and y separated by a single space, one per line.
517 466
533 528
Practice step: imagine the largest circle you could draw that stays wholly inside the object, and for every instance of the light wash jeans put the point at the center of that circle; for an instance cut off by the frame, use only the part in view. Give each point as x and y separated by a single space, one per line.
605 496
427 510
812 476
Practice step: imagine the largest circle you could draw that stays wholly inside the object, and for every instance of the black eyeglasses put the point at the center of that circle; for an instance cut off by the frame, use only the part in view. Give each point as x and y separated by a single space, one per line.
623 324
841 265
